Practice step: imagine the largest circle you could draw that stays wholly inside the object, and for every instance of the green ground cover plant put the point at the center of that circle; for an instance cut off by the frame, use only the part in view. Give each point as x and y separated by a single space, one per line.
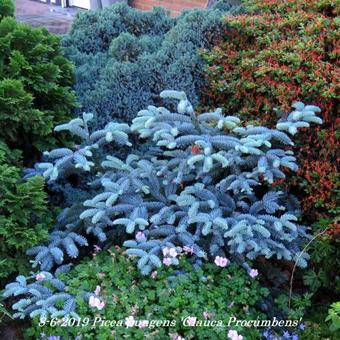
207 293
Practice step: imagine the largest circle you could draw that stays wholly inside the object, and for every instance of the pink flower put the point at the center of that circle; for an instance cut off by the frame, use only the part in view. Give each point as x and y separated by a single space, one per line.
130 321
221 261
175 336
173 252
143 324
97 291
233 335
40 277
95 302
97 249
167 261
166 251
191 320
140 236
253 273
188 250
154 274
207 315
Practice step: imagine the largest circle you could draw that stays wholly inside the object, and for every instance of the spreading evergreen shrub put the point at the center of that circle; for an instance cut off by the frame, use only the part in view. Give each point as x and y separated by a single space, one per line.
207 184
208 293
124 57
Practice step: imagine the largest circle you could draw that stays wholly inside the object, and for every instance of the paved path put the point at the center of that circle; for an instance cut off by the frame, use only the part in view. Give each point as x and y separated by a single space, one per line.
55 18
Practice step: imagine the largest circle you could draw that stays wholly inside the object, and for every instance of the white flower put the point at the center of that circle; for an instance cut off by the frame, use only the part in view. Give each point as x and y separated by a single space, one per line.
140 236
191 320
40 277
97 291
173 252
130 321
233 335
167 261
166 251
253 273
95 302
221 261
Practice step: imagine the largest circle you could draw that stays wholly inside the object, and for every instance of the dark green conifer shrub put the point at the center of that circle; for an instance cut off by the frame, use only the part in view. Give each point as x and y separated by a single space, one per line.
35 94
35 81
24 215
6 8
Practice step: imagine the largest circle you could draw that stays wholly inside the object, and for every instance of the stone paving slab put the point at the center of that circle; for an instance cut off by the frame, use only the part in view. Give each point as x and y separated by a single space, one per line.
56 19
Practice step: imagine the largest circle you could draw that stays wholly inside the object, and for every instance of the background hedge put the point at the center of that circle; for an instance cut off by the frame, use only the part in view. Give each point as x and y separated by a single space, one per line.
124 57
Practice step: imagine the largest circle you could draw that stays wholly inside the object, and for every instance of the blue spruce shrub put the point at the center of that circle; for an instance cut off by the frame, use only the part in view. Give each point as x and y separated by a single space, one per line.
128 47
93 31
225 5
205 184
124 57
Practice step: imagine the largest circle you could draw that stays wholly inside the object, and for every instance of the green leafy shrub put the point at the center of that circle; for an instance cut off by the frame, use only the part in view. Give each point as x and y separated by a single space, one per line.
6 8
280 52
223 293
315 325
325 259
35 82
334 317
24 216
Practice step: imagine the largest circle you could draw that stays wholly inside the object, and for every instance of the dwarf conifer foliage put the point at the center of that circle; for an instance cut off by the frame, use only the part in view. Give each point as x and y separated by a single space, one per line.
206 184
35 96
124 57
24 215
35 81
6 8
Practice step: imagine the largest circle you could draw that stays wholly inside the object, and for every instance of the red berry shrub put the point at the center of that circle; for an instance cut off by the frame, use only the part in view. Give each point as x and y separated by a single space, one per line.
283 51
